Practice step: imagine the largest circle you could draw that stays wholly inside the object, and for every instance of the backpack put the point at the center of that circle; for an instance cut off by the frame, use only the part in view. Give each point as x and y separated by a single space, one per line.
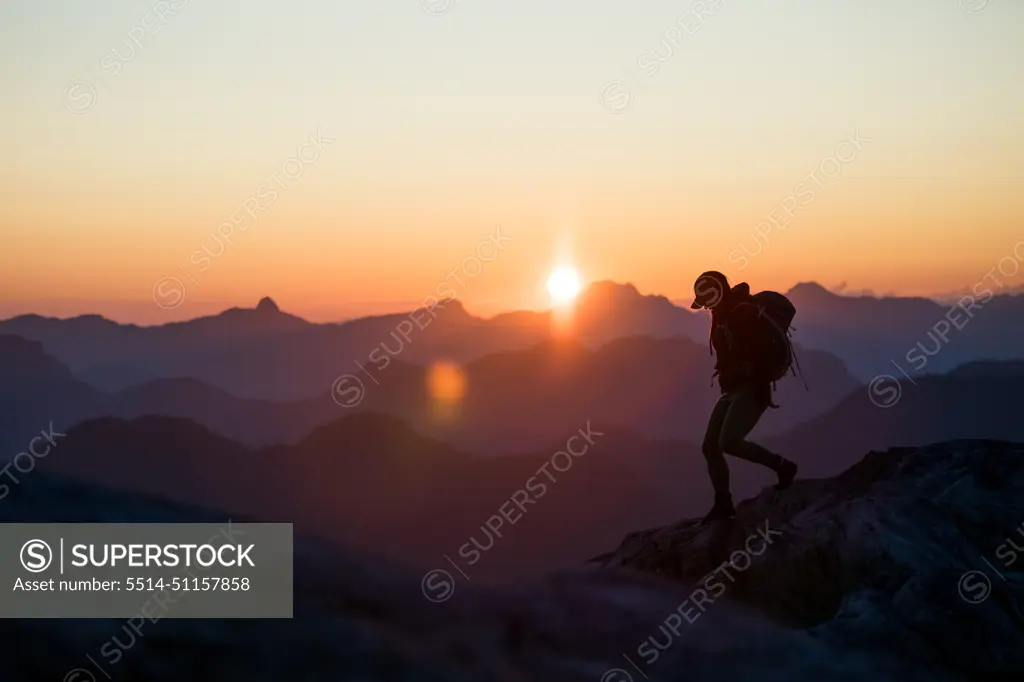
775 356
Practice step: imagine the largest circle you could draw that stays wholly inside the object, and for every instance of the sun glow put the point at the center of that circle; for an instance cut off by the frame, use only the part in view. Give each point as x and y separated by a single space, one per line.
563 285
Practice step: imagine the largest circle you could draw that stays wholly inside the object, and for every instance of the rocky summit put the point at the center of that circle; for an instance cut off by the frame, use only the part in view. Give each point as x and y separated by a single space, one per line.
913 554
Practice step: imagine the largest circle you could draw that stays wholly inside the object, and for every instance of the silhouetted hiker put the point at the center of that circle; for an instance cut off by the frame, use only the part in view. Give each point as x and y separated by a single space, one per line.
749 336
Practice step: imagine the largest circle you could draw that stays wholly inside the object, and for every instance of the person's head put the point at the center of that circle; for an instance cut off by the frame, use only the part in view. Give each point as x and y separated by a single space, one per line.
709 290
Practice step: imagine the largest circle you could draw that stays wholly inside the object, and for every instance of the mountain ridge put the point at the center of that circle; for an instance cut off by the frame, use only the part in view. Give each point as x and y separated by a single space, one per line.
868 333
501 412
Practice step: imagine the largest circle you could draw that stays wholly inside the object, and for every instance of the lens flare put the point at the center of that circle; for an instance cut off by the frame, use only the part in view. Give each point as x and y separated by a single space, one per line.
446 382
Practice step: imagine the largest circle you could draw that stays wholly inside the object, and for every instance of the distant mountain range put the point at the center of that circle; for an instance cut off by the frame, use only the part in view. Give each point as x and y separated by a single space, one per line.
37 389
373 482
267 354
909 335
976 401
175 411
659 388
263 353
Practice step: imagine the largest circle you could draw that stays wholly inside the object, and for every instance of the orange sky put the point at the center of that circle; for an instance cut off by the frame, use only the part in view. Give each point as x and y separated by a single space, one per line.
431 137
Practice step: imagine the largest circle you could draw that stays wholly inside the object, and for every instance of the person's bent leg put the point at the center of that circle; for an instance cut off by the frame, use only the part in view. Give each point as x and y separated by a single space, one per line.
744 412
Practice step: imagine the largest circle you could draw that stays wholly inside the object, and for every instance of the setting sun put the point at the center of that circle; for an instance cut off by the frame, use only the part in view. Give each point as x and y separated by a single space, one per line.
563 285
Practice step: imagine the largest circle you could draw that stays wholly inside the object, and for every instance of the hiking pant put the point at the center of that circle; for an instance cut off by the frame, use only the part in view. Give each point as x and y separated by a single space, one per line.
734 415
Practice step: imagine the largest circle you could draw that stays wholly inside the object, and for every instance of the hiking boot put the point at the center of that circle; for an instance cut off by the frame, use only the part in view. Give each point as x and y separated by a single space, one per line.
722 508
786 472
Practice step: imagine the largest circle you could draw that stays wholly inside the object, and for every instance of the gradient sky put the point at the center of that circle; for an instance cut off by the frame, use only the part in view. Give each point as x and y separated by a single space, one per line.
448 125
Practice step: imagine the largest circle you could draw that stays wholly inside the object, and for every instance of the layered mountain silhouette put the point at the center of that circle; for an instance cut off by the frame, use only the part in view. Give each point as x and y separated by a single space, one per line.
263 353
918 334
362 618
659 388
886 560
909 554
371 481
36 390
989 368
977 401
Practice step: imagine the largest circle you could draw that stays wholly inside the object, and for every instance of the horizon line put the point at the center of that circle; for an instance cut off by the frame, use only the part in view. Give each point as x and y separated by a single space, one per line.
399 307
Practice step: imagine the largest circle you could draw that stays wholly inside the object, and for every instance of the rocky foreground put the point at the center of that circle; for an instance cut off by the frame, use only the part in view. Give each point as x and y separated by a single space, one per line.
914 553
860 577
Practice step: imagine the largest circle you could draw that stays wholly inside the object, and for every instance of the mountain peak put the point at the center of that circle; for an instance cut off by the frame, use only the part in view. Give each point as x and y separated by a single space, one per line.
267 305
13 342
607 295
608 288
453 304
810 289
24 359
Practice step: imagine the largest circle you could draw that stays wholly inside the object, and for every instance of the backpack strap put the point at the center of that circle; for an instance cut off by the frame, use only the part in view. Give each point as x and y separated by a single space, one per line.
796 365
